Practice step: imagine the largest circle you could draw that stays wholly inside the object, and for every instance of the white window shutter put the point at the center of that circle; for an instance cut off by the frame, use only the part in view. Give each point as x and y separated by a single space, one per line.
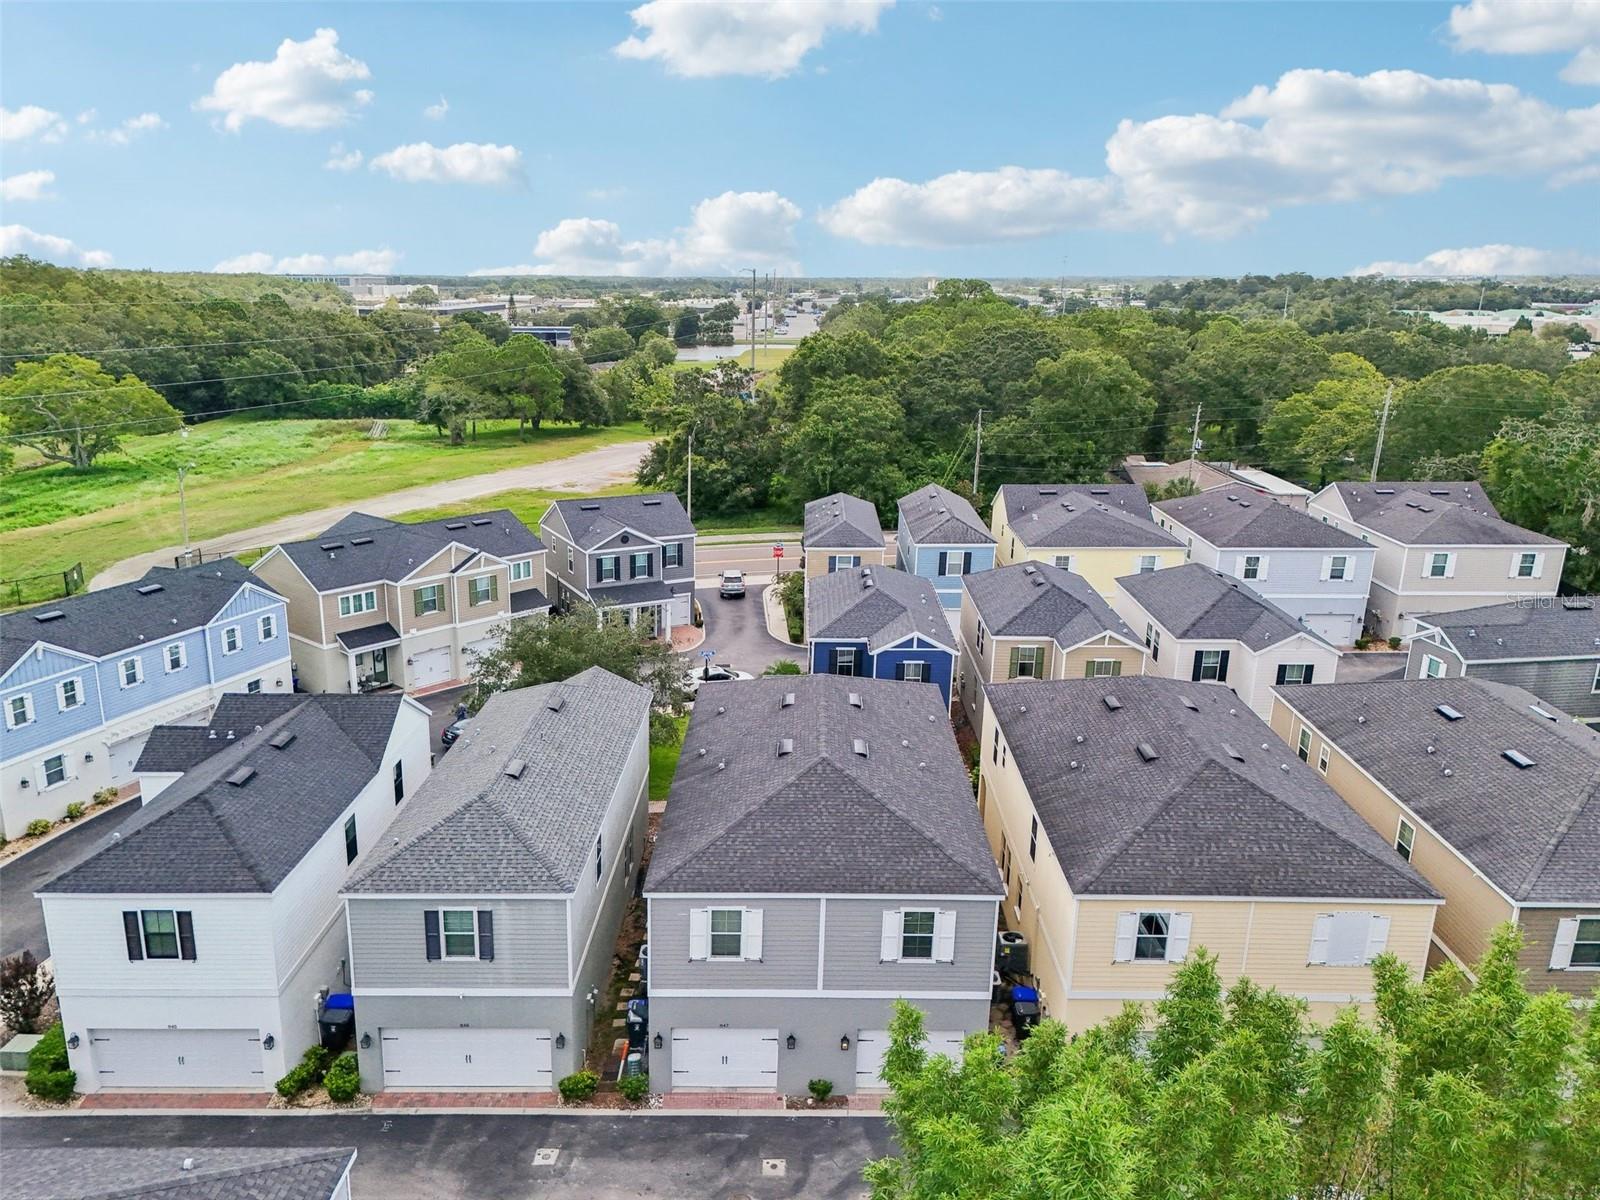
1450 566
1178 936
1327 567
1261 571
1516 561
1321 931
944 936
889 948
1566 935
1538 566
752 933
699 933
1127 926
1377 936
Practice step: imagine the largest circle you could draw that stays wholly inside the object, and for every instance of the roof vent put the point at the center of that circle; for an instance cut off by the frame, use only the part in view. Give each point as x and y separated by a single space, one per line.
482 521
860 746
242 776
1111 702
1448 713
331 546
1438 491
455 525
1038 581
1147 752
589 507
788 700
515 768
1244 504
700 753
1099 491
1189 704
150 589
855 699
649 503
361 541
721 708
1030 569
557 704
1413 504
282 740
1361 720
785 746
1541 712
1232 753
55 614
722 764
1049 491
1517 757
1381 492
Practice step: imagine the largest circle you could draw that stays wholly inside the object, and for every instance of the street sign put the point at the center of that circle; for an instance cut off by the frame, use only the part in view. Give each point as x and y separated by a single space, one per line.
708 655
777 551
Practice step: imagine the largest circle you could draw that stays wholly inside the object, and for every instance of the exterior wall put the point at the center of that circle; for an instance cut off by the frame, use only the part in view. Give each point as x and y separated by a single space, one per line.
555 1013
924 561
1100 567
993 664
597 905
941 662
389 609
536 578
1567 683
390 955
820 655
323 668
816 557
1539 933
789 947
305 606
852 943
1422 648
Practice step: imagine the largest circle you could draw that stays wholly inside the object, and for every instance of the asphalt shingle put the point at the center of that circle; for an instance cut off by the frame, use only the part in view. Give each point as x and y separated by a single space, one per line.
875 605
592 521
841 522
360 548
212 1173
1193 601
1106 516
936 516
1040 600
1542 627
1435 514
1240 517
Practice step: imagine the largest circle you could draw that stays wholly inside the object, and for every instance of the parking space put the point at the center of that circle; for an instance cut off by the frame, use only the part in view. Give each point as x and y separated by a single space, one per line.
736 630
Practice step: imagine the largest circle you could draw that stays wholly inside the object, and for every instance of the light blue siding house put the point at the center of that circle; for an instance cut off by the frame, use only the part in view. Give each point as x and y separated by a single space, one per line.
85 679
879 623
941 537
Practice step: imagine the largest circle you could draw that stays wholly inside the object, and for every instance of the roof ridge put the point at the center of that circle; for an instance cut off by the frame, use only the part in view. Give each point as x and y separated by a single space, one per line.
1559 834
250 864
1114 851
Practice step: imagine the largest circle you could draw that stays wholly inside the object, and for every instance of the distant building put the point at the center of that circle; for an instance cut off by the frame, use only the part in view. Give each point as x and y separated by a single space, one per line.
1208 475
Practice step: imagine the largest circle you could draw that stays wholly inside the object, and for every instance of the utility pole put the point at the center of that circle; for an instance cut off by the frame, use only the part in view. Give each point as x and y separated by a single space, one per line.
1286 292
690 489
1383 427
1194 441
752 307
183 507
977 455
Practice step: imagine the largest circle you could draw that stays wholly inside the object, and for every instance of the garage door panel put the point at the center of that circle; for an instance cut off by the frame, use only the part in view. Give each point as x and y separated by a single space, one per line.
178 1058
428 667
873 1044
725 1058
420 1059
1333 627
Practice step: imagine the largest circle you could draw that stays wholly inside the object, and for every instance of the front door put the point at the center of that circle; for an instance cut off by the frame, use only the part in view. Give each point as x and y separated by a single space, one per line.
650 621
380 665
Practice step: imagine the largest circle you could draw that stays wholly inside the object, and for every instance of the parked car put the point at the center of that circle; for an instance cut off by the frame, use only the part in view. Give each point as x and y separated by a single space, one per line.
720 673
453 731
732 584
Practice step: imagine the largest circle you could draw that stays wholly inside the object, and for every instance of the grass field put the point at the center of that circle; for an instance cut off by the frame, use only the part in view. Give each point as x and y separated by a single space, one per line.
664 762
245 472
768 358
527 504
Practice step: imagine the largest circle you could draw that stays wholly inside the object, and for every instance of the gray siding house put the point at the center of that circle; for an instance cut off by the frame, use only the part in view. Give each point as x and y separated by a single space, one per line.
820 857
840 531
630 555
481 931
1549 646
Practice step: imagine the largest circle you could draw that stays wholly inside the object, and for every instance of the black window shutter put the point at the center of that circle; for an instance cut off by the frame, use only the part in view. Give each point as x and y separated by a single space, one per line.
1222 667
900 671
1310 670
430 932
130 930
966 563
186 936
1283 672
1198 656
944 559
486 935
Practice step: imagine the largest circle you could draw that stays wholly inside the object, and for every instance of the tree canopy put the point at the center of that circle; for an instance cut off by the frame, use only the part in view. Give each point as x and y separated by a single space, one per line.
71 410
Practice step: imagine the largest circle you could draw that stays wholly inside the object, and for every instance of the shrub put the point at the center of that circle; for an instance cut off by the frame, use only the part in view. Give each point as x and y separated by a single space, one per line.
1394 643
1363 642
75 810
578 1087
105 795
820 1089
634 1088
784 666
25 988
37 827
48 1076
344 1078
308 1072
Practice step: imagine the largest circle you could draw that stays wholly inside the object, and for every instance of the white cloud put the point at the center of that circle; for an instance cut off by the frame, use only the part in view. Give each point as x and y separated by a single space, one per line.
256 263
726 234
30 185
31 121
88 115
464 162
969 207
707 38
1525 27
359 262
1492 260
124 133
19 239
340 159
436 112
305 86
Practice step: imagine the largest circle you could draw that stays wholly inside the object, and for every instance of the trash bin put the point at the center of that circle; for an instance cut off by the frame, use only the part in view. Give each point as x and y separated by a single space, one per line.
638 1021
336 1021
1024 1009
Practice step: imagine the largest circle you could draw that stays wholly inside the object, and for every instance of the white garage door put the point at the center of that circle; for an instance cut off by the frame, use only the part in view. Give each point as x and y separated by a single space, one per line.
178 1058
473 652
428 667
872 1044
725 1058
418 1059
1338 628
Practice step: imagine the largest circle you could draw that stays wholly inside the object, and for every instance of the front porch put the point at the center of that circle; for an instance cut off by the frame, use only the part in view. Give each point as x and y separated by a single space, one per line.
371 658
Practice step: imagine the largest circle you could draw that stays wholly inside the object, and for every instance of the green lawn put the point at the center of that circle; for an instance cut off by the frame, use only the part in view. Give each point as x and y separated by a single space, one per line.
245 472
528 504
768 358
664 762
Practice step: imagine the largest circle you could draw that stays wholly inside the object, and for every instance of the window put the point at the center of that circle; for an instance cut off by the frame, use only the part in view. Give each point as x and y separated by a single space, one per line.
914 672
994 750
569 560
175 656
522 570
357 602
55 770
639 565
459 927
608 568
727 933
1432 668
485 589
19 711
1595 686
1296 672
1152 638
131 671
429 599
232 640
1252 567
160 933
1152 937
253 688
1338 567
1101 668
350 839
1147 563
981 632
1439 566
399 781
1586 943
1064 561
1347 939
1322 758
599 858
671 554
1404 838
1033 840
955 562
1024 662
916 934
1302 745
69 693
842 562
844 660
267 627
1527 565
1150 942
1210 665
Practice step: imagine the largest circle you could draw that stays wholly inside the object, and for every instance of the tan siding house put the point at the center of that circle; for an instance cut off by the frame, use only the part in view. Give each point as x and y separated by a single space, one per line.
1098 531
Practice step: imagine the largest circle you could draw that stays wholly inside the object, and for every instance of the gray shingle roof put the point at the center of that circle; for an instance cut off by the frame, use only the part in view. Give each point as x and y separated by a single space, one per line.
1240 517
472 828
1195 820
214 1173
841 606
592 521
381 634
368 549
1109 515
1040 600
116 618
205 834
1193 601
744 818
935 515
1546 627
1534 831
1435 514
841 522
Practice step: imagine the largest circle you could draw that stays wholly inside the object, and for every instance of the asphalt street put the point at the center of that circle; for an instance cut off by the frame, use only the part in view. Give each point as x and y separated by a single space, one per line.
21 918
755 557
736 631
492 1157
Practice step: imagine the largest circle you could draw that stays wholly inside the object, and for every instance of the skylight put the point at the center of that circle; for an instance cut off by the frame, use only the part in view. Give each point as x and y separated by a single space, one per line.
150 588
1517 757
1448 713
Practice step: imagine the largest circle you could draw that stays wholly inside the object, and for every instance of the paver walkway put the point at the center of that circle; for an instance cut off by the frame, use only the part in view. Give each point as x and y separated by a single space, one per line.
385 1100
185 1100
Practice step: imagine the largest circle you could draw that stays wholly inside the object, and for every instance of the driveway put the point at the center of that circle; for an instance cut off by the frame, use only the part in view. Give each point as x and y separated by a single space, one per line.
488 1157
736 630
1363 666
21 918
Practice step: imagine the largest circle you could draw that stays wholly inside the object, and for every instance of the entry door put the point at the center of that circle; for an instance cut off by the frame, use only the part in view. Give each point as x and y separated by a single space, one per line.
418 1059
178 1058
725 1058
123 755
873 1044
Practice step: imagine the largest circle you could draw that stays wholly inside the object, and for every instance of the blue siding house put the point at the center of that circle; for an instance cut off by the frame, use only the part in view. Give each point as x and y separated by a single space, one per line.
879 623
941 537
85 679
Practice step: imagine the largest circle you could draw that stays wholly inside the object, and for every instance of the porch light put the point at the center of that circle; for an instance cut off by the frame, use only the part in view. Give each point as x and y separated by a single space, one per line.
73 1042
561 1041
366 1041
88 757
790 1042
657 1042
844 1042
268 1042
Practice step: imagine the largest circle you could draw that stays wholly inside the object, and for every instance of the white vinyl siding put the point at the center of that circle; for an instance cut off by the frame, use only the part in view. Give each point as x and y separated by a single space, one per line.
1347 939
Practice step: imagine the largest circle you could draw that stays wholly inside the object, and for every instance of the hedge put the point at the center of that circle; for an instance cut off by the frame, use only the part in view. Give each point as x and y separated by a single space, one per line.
343 1080
578 1087
307 1073
48 1076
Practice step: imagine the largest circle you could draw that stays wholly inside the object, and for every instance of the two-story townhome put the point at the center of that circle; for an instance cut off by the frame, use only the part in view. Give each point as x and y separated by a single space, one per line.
820 857
1099 531
632 556
1492 794
840 531
375 603
84 680
941 537
192 948
1549 646
879 623
1138 820
1206 627
482 929
1440 547
1317 574
1035 621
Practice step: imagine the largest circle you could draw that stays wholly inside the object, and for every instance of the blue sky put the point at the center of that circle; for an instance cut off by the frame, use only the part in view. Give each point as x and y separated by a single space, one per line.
836 137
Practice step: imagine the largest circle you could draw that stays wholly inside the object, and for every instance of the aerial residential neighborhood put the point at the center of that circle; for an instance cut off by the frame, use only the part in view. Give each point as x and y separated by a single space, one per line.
734 598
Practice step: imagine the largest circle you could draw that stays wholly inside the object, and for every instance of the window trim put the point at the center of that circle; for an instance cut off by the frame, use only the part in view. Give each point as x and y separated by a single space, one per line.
445 936
1260 568
1141 559
237 633
1140 935
267 627
434 592
713 934
28 713
353 604
166 657
838 654
1594 688
138 671
1578 940
917 665
44 772
352 846
932 935
1344 568
1302 744
1405 839
634 558
1535 565
399 780
671 554
492 594
521 570
76 682
144 934
1428 662
1324 757
1215 667
1092 668
843 562
608 568
1057 561
1433 560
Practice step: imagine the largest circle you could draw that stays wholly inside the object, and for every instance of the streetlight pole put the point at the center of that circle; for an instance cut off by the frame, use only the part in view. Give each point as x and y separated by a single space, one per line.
183 506
752 321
